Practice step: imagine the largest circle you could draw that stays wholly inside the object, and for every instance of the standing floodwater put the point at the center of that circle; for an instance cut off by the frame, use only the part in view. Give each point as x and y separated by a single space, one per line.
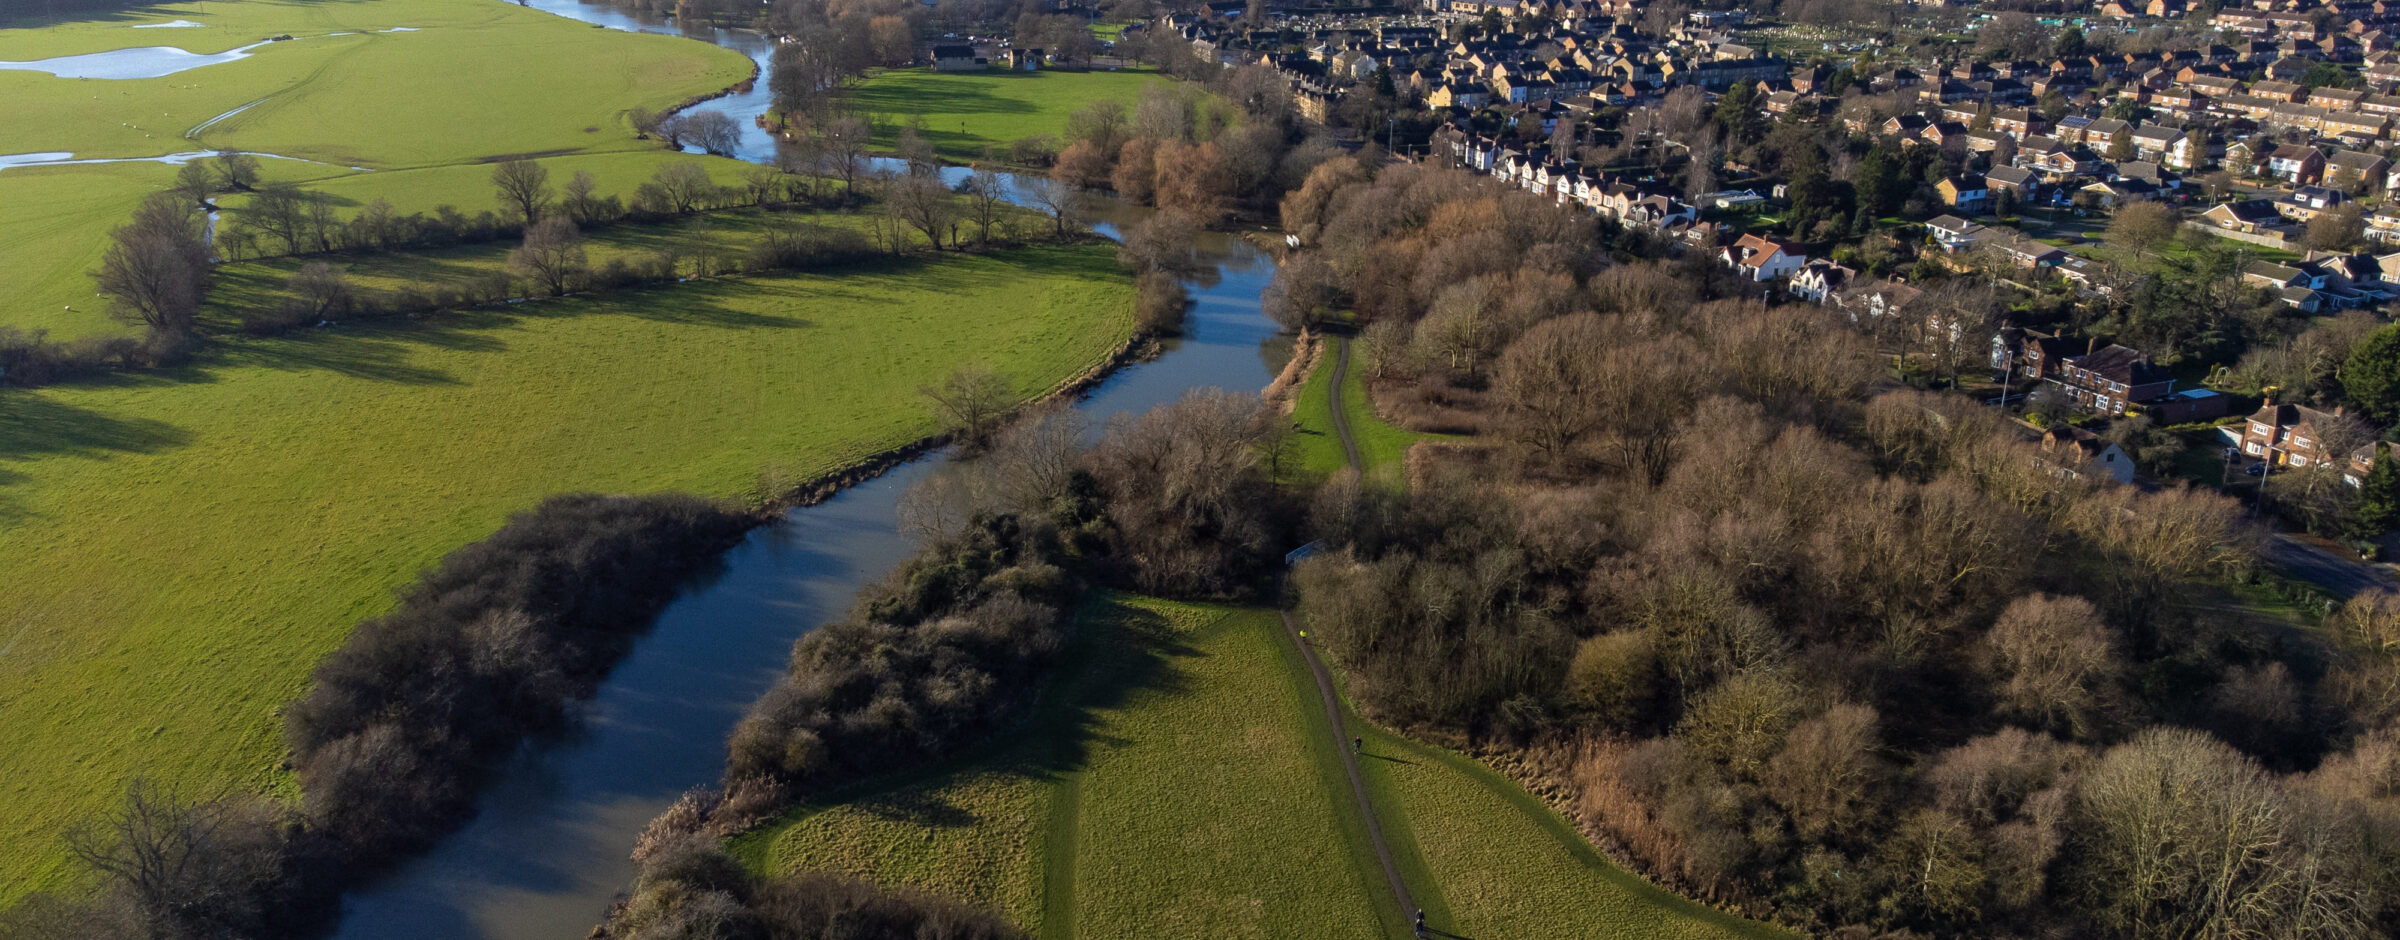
547 849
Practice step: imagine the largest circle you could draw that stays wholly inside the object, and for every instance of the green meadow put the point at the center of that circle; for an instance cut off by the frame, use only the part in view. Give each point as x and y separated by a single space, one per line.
475 80
967 112
1382 445
1179 778
180 548
1168 786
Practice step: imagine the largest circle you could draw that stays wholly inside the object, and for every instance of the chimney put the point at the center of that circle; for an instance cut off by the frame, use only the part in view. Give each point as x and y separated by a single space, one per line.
2093 348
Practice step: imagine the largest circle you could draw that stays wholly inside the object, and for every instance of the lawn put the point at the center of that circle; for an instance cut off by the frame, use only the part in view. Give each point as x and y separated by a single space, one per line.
1382 445
476 79
181 548
1176 780
967 112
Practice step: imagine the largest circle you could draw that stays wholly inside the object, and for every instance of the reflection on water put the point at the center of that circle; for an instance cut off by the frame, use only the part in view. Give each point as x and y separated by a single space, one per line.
547 851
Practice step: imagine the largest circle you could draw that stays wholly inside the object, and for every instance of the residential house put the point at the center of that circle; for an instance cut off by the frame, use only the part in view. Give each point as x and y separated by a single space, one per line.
2167 145
2072 452
1882 298
2300 436
956 57
2025 252
1968 194
2297 164
2308 202
1819 280
2354 169
2109 379
2109 194
2016 181
2249 216
1763 259
1952 233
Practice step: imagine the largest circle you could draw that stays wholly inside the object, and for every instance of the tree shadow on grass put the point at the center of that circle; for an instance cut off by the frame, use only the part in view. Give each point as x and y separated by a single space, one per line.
1116 650
34 425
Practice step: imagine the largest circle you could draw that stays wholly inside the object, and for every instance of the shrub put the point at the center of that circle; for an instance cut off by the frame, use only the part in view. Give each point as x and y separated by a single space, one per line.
485 648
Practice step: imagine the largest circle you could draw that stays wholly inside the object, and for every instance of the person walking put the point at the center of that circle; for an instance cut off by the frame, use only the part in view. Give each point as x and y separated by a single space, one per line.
1358 745
1420 922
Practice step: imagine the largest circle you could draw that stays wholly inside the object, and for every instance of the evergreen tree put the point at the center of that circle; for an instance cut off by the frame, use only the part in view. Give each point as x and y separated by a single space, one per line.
2371 376
2378 507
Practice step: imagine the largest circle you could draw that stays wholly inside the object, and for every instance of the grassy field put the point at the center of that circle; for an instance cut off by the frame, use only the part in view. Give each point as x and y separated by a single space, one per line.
181 548
1096 822
1498 863
476 79
1179 779
1382 445
966 112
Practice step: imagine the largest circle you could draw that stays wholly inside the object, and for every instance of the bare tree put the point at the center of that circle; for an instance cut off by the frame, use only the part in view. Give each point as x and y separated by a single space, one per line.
582 200
238 170
322 290
194 181
1549 381
986 201
1059 197
524 188
711 131
843 148
924 204
280 211
685 186
156 267
1827 771
972 401
552 255
1165 241
2053 659
186 871
2338 228
2142 226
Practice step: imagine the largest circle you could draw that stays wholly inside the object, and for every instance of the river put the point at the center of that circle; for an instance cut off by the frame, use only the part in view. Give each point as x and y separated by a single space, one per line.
547 850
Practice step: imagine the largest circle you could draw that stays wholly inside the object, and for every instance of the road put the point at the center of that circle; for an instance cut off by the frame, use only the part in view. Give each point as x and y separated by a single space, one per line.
2338 574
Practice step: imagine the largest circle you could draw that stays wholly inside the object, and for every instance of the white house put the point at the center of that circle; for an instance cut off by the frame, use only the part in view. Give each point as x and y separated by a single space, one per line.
1763 259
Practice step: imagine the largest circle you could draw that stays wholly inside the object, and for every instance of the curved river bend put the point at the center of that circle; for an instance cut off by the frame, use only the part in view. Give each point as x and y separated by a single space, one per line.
547 850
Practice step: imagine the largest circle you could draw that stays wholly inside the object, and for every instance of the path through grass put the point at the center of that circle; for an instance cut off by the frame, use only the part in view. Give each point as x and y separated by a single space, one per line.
1179 778
1382 446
